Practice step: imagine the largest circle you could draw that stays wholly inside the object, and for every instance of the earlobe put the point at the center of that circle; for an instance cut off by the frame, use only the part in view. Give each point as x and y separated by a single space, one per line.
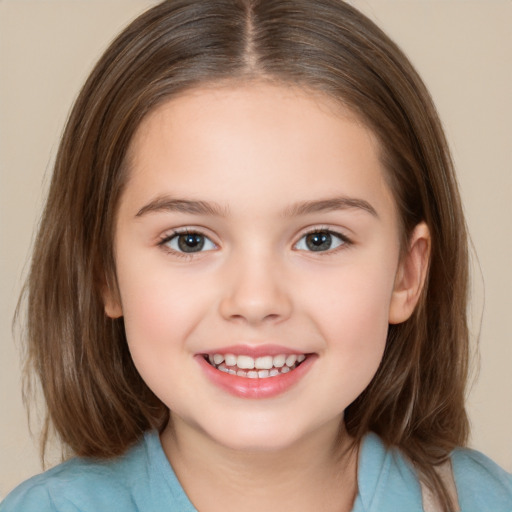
411 275
112 303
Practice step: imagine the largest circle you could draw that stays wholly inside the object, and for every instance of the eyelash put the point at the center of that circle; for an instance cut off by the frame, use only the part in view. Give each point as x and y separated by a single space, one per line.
181 254
344 241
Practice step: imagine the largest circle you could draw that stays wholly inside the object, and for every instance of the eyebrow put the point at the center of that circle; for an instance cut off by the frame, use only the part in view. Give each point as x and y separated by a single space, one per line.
330 204
195 207
169 204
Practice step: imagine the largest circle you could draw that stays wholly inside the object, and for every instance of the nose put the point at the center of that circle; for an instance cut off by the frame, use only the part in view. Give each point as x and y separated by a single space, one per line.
255 291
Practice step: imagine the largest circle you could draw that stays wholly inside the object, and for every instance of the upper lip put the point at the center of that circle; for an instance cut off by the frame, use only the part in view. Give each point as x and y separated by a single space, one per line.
255 350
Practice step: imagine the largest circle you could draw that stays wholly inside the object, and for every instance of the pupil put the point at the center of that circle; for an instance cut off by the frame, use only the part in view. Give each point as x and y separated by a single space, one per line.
190 242
318 241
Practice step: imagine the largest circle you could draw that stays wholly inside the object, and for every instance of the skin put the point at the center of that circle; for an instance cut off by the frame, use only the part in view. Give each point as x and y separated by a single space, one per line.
254 152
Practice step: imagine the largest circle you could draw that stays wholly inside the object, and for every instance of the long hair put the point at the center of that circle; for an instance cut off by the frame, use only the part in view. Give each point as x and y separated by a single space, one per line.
96 401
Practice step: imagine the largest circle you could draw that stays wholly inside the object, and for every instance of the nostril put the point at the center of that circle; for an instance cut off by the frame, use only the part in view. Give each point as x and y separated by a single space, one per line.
255 300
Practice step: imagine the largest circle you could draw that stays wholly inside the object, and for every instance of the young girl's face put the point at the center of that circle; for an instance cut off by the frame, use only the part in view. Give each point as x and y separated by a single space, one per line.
256 229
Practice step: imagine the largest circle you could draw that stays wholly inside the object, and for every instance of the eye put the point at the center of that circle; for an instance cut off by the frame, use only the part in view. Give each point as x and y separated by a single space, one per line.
320 241
188 242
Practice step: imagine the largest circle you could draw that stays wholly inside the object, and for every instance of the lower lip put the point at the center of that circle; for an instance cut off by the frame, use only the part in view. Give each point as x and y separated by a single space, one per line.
245 387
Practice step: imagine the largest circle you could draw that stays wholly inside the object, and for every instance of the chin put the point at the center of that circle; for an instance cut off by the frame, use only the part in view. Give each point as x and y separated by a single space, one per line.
258 435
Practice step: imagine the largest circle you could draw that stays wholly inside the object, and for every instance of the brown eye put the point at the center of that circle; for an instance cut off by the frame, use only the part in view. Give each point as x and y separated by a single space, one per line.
189 243
320 241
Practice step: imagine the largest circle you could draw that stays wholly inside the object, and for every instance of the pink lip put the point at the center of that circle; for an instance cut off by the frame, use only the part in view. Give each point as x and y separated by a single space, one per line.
255 388
255 350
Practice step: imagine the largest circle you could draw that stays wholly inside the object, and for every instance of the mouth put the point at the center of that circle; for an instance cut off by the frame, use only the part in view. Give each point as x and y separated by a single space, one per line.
263 367
256 372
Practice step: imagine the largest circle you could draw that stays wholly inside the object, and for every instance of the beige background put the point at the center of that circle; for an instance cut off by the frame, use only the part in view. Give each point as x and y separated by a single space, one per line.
462 48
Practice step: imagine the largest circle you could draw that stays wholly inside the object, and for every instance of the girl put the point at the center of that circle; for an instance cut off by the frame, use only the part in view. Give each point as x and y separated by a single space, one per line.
249 286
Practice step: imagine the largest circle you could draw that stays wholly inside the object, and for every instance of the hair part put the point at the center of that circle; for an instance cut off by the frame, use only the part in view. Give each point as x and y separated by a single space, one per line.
96 400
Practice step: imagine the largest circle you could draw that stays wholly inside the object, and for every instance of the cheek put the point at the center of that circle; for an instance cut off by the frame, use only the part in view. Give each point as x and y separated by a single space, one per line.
158 317
155 296
350 309
353 298
160 309
358 333
357 346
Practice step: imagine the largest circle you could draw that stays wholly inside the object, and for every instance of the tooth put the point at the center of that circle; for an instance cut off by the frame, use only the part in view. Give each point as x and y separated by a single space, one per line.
210 358
263 374
264 363
301 358
231 371
218 358
223 369
252 374
230 360
274 372
285 369
291 360
245 362
241 373
279 361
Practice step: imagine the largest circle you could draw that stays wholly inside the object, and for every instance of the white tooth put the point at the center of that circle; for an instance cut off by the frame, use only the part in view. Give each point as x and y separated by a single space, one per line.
230 360
285 369
218 358
291 360
279 361
274 372
231 371
252 374
245 362
262 374
264 363
241 373
301 358
210 358
223 369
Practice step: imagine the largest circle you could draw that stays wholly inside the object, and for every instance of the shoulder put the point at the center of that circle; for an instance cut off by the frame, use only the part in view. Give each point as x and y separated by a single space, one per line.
388 481
481 484
82 484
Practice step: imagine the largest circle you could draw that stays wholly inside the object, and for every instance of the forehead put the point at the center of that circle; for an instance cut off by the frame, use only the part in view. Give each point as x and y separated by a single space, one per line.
235 143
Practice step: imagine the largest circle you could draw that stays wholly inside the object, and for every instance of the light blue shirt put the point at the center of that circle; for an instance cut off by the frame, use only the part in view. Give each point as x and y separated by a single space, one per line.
143 481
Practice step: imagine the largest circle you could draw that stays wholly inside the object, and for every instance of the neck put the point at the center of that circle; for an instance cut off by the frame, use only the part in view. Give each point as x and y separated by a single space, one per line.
319 473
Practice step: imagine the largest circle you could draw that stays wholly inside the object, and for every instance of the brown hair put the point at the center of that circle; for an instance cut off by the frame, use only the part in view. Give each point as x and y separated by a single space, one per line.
96 400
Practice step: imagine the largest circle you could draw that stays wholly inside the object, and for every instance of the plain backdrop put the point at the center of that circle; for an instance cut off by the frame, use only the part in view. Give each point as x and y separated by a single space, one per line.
463 50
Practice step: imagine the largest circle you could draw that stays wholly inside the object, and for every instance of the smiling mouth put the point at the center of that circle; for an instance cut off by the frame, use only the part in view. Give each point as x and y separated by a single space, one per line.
255 367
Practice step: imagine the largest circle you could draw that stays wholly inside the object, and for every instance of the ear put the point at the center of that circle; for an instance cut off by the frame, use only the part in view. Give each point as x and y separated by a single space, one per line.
112 302
411 274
